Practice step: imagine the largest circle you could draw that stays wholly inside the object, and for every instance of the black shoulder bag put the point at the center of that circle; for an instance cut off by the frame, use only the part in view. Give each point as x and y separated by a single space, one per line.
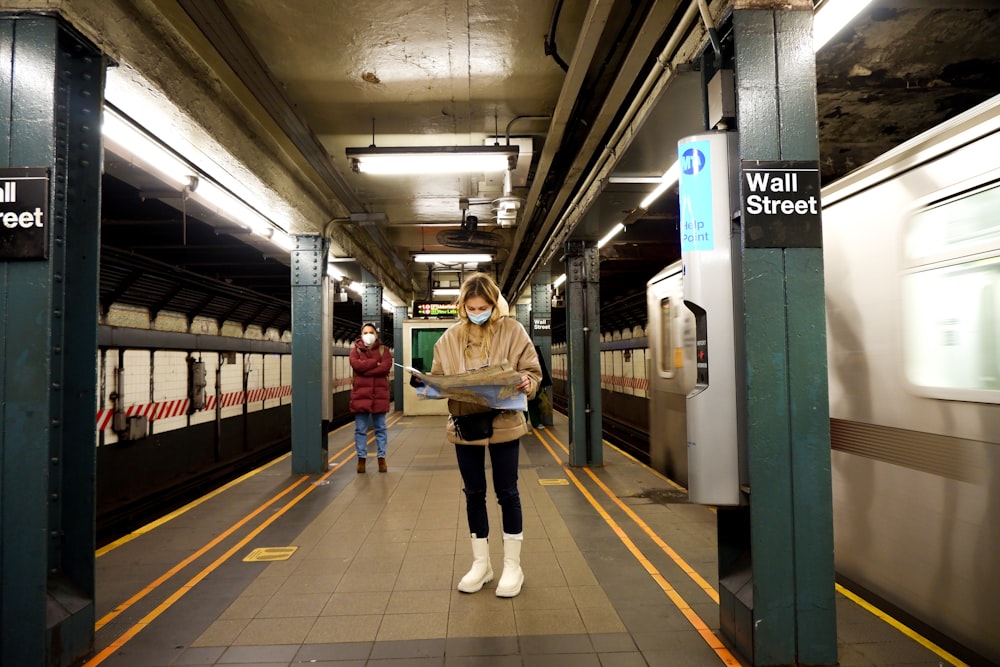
477 426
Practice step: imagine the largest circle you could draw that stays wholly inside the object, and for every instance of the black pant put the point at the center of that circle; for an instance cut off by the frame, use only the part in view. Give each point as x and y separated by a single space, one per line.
472 465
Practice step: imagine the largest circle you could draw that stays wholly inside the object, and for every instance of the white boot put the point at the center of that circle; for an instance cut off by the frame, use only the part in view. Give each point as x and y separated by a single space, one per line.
512 577
481 571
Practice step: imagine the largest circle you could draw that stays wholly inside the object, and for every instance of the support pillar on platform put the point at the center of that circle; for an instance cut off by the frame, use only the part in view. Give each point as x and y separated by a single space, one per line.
371 301
541 327
583 338
311 350
51 95
786 533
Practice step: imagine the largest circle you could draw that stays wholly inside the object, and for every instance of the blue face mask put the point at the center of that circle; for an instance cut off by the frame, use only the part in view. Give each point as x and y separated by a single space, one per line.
480 318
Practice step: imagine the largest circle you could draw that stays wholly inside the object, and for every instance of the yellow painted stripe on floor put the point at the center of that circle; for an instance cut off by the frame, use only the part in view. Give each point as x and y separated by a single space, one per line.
906 630
692 617
134 630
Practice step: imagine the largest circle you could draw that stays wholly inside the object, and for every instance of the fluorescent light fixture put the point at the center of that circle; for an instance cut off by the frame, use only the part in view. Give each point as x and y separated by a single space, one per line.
559 281
445 291
141 147
670 176
610 235
420 160
445 258
129 139
833 15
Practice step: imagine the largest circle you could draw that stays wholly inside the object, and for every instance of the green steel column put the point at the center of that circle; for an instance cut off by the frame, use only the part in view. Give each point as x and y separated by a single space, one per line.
51 92
397 355
541 325
371 301
583 338
309 450
790 515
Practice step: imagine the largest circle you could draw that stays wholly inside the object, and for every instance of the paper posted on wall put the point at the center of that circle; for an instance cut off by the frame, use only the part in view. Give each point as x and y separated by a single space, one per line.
492 386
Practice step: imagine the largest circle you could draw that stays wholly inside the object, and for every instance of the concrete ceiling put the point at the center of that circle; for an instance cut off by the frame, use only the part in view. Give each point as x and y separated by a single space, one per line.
285 86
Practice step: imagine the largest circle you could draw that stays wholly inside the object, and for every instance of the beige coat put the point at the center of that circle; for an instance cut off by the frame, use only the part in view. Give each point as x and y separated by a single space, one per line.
459 350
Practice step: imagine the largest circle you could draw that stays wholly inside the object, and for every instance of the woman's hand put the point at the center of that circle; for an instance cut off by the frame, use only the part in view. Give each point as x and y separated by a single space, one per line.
525 385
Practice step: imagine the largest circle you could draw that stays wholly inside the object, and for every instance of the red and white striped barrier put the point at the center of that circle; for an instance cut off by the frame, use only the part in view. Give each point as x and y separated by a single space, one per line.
179 407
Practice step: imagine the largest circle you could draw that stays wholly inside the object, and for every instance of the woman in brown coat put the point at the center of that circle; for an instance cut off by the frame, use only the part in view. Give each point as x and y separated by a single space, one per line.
483 337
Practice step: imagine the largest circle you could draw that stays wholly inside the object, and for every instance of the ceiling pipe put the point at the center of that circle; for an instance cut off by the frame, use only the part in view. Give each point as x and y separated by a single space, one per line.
517 118
550 39
642 103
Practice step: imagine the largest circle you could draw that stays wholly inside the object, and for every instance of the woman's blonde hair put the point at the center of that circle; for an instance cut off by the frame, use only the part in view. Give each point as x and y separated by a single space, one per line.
483 286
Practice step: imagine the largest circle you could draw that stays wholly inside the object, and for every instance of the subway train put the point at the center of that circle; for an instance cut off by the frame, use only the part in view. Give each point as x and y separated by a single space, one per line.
181 413
912 278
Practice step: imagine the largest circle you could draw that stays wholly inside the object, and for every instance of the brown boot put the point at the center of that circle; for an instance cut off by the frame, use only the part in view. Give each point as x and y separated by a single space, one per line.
361 464
382 467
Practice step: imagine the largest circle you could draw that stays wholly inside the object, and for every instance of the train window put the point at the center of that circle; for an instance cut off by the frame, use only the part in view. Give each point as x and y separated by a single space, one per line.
958 226
951 298
666 351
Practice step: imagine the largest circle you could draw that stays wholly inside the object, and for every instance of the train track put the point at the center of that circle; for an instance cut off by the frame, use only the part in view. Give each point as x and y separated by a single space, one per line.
627 437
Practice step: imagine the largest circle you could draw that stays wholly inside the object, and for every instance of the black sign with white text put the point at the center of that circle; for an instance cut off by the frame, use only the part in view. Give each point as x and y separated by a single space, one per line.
781 204
24 213
541 326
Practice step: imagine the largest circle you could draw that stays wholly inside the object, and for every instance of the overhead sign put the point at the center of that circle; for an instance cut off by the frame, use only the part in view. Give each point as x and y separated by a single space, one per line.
431 309
24 213
781 204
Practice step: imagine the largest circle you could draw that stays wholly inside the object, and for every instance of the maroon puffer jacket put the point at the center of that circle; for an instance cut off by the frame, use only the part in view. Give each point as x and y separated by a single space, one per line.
370 392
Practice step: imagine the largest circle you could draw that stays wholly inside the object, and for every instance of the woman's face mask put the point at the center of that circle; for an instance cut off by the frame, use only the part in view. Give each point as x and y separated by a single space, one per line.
479 318
368 339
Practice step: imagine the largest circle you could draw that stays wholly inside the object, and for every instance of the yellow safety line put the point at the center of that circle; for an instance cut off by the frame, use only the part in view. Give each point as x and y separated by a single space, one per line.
906 630
706 633
901 627
193 581
156 583
178 512
124 638
666 548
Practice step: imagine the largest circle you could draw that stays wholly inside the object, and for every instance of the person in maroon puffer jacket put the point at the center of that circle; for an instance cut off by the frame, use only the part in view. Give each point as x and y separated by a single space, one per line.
371 362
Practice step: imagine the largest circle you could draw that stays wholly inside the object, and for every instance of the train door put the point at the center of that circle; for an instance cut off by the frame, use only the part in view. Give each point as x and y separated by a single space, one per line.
671 372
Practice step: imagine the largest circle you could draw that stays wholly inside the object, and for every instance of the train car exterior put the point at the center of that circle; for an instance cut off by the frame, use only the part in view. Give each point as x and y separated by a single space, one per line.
912 272
912 257
670 372
184 405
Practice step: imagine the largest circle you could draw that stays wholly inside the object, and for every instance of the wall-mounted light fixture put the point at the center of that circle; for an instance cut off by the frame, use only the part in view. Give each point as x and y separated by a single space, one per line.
133 143
432 159
833 15
670 176
447 258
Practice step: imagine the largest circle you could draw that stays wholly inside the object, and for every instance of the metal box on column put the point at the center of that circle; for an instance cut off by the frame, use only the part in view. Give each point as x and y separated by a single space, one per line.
709 251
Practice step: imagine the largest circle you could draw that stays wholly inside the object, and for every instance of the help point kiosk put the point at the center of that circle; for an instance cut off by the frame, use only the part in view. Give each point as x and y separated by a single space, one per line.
717 463
709 250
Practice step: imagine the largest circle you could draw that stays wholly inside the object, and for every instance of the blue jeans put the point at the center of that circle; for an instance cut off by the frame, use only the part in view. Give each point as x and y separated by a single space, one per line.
472 465
361 433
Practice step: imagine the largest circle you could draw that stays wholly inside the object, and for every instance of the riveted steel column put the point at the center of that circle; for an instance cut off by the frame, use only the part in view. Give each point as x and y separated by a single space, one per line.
790 530
583 338
401 313
371 301
541 326
51 92
309 448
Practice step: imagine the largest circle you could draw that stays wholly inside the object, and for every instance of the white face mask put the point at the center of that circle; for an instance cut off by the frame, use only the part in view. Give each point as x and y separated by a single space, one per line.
368 339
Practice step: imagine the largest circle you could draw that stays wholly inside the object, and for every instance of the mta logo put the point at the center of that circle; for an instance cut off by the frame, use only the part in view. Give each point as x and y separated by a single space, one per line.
692 161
